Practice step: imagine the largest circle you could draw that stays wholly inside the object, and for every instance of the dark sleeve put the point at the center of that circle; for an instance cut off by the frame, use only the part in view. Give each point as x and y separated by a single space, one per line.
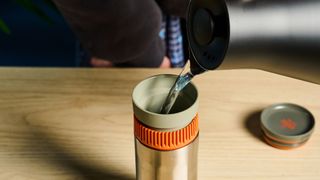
122 31
174 7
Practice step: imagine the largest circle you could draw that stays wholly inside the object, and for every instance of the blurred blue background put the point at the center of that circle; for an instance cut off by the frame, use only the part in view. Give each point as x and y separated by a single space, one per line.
33 41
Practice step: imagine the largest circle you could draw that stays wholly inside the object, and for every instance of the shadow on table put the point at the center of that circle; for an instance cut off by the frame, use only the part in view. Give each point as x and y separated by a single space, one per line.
252 124
81 168
56 154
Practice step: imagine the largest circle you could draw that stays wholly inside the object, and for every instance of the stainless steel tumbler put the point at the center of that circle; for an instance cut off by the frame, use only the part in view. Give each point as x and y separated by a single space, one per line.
166 145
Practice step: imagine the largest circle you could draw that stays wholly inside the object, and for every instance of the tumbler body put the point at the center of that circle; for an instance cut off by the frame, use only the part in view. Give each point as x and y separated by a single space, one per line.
166 145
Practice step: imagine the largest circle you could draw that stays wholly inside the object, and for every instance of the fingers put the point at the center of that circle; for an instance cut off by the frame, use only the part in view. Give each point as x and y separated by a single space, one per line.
165 63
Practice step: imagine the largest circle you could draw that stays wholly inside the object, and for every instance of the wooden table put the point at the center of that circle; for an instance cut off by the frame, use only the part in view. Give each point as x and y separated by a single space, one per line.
77 124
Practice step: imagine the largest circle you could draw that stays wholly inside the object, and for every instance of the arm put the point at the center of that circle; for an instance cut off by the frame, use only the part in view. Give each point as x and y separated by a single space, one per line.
124 32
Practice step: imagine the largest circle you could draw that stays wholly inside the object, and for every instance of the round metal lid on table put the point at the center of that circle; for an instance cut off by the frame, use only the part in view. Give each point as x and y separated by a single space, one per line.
286 126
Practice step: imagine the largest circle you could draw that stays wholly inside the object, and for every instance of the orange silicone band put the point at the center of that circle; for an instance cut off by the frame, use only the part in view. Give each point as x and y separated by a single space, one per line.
280 140
281 147
166 140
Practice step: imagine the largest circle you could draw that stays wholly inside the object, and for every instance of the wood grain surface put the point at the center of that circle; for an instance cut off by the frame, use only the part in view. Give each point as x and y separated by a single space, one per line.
77 124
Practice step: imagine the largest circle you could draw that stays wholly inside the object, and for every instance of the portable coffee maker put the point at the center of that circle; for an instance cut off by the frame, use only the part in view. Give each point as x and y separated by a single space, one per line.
166 145
277 36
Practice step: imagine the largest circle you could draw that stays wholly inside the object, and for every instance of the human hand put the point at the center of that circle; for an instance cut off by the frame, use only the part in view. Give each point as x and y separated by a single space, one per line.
165 63
98 62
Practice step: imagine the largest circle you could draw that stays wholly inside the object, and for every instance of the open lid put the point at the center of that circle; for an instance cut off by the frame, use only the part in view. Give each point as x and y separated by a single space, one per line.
208 32
286 126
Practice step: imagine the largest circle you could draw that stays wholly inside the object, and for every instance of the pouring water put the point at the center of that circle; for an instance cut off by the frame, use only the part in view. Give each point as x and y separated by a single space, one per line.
182 81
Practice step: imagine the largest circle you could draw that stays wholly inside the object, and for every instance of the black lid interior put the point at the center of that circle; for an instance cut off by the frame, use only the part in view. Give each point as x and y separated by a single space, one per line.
208 32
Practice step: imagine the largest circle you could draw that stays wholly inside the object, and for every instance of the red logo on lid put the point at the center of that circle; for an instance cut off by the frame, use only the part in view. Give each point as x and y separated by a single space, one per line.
288 123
